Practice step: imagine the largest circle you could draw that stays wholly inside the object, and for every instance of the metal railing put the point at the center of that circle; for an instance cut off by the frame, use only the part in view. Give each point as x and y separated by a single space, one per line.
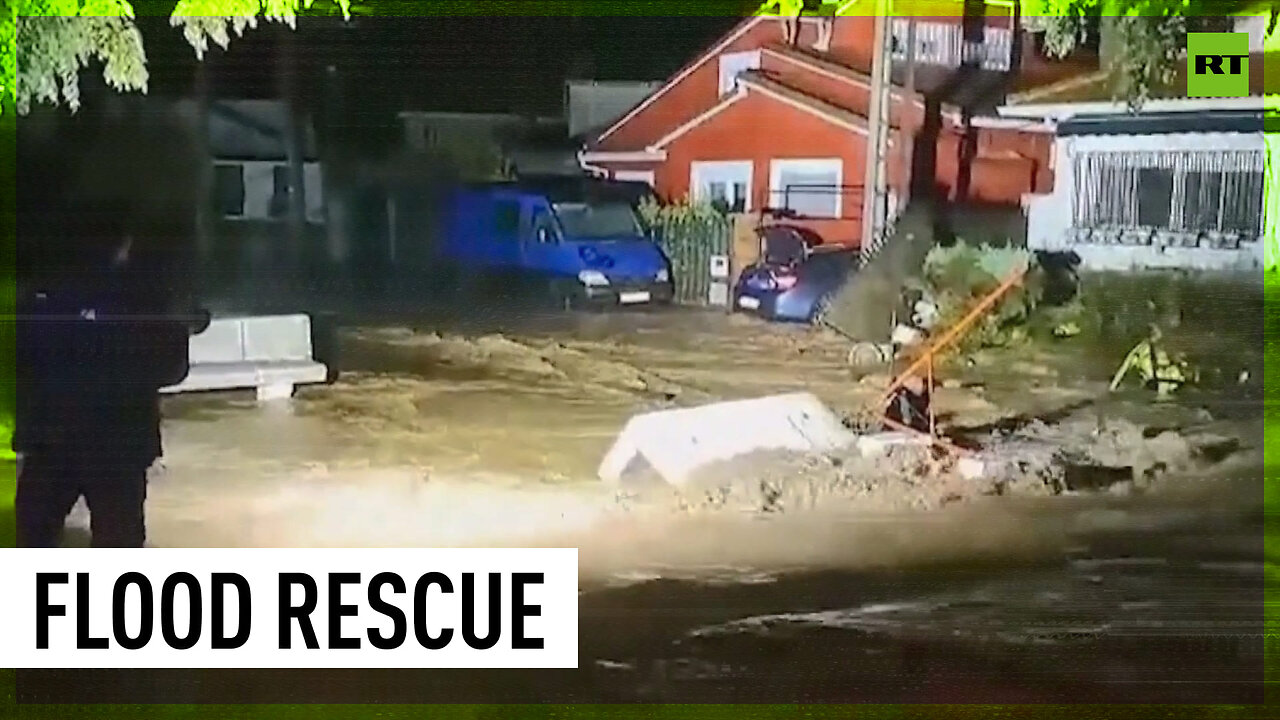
944 44
850 197
850 209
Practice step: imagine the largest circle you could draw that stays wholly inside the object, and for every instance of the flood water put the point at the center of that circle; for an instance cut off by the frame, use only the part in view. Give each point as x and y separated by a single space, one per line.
1152 598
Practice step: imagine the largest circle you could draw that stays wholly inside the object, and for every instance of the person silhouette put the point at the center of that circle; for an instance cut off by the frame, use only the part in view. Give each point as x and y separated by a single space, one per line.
789 11
103 322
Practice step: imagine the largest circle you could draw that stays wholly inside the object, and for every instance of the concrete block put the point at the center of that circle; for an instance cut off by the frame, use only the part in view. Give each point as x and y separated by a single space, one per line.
971 468
221 342
881 443
293 372
274 338
269 354
250 375
275 391
216 376
676 443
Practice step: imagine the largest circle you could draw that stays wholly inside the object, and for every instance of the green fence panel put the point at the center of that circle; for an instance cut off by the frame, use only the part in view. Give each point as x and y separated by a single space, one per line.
690 244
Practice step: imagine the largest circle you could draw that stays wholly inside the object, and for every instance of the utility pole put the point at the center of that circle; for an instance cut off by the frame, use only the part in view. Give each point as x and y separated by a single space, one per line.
206 229
907 129
874 188
336 170
295 137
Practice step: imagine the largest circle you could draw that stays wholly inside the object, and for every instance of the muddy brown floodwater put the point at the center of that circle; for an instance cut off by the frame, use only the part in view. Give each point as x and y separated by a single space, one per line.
479 434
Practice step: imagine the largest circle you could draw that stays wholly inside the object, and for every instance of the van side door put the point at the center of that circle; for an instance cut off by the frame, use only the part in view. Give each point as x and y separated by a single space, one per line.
540 239
502 241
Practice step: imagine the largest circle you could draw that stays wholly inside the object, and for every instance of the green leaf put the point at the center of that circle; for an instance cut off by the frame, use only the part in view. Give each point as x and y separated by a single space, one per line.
45 43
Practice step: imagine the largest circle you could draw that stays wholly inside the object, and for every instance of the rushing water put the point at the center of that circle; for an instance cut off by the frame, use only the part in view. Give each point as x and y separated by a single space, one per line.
1154 598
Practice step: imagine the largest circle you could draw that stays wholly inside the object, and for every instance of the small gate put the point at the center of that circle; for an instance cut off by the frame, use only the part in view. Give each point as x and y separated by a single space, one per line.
698 247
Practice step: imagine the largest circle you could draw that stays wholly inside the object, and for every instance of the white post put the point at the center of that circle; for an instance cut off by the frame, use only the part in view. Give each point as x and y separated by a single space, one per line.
873 189
908 124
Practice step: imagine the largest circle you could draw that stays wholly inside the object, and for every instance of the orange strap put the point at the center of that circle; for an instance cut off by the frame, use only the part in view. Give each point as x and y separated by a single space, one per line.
955 332
927 357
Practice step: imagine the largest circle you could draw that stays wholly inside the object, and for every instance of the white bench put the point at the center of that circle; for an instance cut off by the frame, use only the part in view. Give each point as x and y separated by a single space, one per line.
269 353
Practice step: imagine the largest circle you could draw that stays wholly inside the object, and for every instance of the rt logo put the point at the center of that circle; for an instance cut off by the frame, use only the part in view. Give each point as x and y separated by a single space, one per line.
1217 64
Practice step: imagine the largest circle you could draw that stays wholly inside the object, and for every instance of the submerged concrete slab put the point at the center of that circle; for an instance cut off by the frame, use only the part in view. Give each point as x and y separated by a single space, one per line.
874 444
676 443
971 468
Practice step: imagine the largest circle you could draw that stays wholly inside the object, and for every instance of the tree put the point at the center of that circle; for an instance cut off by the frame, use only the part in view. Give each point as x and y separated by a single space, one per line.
1142 39
45 43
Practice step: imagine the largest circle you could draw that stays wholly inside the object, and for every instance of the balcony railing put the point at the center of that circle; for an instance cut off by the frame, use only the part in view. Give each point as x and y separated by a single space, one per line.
944 44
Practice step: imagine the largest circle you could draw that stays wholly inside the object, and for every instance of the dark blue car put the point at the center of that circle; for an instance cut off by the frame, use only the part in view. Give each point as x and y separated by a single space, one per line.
795 276
573 242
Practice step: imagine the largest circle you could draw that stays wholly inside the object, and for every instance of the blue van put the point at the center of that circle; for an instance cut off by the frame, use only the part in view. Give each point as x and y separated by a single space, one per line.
569 240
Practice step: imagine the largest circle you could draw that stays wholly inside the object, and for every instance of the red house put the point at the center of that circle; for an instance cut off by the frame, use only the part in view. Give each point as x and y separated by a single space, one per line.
755 123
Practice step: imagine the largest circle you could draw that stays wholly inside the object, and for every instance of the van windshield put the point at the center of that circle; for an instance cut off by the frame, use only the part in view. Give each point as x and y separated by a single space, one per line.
598 220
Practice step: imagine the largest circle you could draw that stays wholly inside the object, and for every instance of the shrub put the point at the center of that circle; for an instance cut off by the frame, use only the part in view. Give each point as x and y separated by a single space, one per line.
957 277
656 214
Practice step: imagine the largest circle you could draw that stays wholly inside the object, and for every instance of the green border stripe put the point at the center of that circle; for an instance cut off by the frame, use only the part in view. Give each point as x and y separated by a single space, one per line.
1271 385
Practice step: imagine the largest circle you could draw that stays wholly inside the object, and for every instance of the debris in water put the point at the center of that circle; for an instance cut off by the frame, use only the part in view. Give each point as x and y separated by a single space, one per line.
1080 477
1077 454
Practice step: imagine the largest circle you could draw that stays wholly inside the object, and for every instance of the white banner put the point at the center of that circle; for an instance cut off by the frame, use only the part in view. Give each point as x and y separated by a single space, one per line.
289 608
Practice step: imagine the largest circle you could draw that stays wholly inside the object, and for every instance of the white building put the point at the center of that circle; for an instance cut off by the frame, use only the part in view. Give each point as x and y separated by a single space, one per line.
1179 184
251 170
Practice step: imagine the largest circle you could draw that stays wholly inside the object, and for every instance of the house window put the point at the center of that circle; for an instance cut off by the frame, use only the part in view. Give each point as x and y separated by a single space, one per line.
725 184
1227 201
1202 200
734 64
808 187
228 188
1187 191
729 197
1155 197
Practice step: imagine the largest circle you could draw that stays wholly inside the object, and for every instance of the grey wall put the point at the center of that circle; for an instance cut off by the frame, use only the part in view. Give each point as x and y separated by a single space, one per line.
248 129
591 105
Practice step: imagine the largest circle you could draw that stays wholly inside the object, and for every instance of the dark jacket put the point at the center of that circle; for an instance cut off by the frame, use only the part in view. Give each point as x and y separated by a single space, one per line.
92 355
910 409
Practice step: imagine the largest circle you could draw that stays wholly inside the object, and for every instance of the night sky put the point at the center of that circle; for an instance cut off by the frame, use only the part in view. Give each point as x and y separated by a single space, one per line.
463 64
